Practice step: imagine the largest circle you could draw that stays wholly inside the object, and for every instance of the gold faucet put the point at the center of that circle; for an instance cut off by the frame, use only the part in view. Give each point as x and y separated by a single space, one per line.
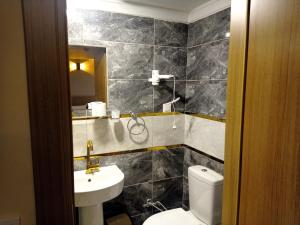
90 167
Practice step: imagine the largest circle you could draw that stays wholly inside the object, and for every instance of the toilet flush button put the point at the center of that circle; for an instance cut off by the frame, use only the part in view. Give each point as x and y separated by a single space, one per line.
204 170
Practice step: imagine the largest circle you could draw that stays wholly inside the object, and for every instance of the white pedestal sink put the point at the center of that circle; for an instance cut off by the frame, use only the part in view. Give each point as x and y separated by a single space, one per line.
91 190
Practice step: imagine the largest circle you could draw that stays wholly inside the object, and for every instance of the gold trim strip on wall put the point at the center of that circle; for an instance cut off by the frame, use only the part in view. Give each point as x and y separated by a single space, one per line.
127 115
156 148
208 117
214 118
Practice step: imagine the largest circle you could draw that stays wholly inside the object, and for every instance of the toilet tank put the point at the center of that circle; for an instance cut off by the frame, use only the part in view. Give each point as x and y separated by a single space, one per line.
205 194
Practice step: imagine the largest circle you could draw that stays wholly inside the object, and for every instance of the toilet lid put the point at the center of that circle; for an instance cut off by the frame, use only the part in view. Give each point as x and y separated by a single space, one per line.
173 217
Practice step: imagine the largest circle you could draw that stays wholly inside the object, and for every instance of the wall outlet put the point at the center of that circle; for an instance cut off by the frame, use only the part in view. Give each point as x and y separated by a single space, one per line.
10 221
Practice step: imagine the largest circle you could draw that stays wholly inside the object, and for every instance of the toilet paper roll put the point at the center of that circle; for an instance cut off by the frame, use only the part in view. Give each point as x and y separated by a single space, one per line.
98 108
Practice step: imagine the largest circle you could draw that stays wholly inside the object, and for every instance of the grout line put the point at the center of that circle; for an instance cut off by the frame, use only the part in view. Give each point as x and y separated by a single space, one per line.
207 79
153 109
165 179
153 68
152 170
207 43
168 46
183 166
151 182
143 79
137 184
106 43
186 73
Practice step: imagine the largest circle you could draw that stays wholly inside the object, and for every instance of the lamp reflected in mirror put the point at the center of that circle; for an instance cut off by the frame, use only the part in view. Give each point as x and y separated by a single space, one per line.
88 78
86 65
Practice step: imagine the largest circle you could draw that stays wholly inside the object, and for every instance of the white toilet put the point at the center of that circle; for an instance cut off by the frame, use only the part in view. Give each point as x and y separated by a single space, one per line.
205 194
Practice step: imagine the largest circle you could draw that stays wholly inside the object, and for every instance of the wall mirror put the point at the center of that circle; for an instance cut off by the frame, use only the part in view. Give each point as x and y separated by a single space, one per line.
88 81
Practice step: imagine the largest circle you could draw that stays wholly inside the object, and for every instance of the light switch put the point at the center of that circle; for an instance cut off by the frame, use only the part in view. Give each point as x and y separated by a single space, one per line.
10 221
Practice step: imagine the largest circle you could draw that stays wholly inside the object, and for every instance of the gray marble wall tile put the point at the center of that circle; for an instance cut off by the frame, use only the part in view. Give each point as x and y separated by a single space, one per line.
130 95
192 157
130 201
79 165
164 93
75 25
168 192
129 41
107 26
129 61
169 60
208 61
170 176
135 197
206 97
185 194
170 34
209 29
114 207
137 167
167 163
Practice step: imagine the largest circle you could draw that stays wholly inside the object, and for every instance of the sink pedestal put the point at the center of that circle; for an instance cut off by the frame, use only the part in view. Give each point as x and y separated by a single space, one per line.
91 215
91 190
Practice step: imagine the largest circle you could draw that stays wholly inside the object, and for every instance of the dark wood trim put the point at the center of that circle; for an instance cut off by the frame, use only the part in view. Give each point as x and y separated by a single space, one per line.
46 43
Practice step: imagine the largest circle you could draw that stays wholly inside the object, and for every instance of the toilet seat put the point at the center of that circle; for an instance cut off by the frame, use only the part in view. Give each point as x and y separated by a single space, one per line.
173 217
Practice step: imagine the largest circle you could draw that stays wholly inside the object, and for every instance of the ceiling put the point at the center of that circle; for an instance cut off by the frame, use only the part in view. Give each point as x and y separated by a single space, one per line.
179 5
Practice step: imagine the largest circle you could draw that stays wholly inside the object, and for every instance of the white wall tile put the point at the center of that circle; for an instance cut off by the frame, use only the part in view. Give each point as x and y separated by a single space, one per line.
163 132
109 136
79 137
205 135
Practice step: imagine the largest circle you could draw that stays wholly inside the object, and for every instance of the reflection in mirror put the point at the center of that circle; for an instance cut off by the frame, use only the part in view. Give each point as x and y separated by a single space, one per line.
88 80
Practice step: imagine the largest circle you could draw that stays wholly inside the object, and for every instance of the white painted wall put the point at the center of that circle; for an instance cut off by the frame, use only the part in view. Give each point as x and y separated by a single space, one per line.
130 9
16 185
155 12
208 9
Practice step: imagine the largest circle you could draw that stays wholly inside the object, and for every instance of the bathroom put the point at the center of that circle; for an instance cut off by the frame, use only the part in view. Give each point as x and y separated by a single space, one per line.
150 112
156 144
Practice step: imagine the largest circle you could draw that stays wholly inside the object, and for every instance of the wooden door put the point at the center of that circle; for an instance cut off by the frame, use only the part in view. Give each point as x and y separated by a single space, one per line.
270 177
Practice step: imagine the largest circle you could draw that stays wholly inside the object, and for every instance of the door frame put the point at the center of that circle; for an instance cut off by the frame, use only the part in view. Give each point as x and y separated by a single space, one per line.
46 42
237 66
45 28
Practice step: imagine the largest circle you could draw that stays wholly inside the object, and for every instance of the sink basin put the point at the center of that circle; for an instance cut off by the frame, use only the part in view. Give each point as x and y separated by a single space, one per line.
91 190
102 186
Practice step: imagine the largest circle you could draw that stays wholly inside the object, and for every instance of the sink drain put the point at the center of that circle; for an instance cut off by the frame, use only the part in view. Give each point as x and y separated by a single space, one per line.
89 180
